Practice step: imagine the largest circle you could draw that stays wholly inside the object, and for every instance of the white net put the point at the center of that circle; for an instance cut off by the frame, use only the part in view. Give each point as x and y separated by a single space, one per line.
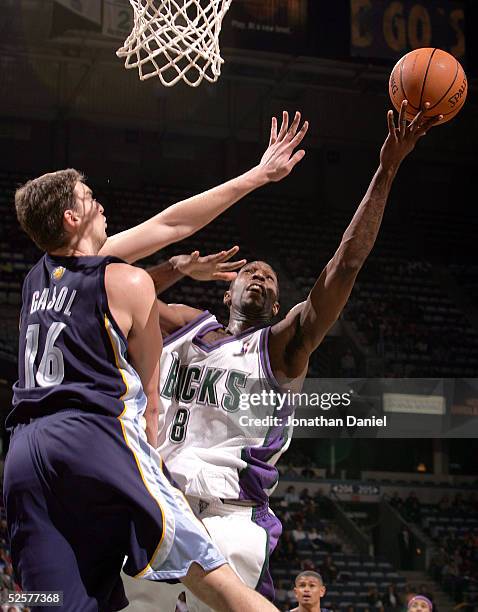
176 40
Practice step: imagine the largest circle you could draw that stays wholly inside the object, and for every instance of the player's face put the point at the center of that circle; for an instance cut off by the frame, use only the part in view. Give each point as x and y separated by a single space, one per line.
419 605
92 220
255 289
309 590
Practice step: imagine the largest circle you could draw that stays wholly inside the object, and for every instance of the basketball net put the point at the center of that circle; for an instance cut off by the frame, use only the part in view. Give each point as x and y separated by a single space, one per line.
176 40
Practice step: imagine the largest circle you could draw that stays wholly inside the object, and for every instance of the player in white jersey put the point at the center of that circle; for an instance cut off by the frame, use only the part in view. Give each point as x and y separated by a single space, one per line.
225 467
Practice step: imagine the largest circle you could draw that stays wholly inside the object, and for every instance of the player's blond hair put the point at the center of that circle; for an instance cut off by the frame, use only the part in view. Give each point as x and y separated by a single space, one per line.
41 203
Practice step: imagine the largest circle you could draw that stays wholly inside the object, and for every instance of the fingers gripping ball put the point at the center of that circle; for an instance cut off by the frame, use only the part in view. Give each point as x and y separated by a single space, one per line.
429 75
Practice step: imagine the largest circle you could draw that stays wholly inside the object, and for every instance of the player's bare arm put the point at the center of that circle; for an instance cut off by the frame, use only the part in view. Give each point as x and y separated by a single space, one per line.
189 216
202 268
132 302
294 339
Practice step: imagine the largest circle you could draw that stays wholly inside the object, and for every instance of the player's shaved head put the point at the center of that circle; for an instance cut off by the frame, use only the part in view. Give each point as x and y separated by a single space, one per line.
253 296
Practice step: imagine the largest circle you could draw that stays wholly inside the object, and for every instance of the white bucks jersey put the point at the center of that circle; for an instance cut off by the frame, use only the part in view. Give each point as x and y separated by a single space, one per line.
222 427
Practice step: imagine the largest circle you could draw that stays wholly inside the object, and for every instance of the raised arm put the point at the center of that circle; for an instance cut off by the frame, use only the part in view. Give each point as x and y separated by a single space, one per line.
132 302
294 339
187 217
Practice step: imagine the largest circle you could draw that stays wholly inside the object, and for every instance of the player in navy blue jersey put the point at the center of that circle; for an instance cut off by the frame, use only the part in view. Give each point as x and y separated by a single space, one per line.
83 488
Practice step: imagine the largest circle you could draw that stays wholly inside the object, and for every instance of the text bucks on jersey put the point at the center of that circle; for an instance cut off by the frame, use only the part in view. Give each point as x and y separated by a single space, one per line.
206 389
208 385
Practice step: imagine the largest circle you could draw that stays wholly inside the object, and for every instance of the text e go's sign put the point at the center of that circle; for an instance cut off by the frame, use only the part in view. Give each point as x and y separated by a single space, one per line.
391 28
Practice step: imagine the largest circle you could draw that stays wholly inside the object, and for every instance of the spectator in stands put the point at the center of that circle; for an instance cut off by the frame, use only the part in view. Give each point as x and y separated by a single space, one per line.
405 540
348 365
281 592
307 565
286 549
450 571
291 496
420 603
310 513
373 599
437 562
290 471
309 589
444 504
305 496
391 599
291 597
6 579
299 534
412 507
344 575
330 541
307 472
328 570
281 595
396 501
314 538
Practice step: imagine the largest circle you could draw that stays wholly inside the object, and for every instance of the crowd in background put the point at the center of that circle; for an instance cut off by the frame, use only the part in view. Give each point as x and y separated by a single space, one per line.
452 524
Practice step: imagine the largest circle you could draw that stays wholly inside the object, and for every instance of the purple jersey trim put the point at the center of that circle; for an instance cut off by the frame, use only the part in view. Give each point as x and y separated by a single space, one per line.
211 326
264 518
259 475
265 360
208 347
186 328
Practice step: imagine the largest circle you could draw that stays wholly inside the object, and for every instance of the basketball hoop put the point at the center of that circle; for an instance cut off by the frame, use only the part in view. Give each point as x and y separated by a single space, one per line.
176 40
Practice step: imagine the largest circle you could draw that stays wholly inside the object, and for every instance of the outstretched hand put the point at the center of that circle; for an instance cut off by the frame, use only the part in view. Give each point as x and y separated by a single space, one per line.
401 140
209 267
279 158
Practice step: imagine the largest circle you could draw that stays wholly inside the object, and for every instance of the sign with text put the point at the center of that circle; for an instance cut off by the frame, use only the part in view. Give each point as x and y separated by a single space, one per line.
117 19
390 28
269 25
89 9
353 488
414 404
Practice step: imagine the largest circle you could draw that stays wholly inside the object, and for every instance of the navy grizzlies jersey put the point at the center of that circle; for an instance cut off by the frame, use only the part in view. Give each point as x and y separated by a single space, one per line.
72 355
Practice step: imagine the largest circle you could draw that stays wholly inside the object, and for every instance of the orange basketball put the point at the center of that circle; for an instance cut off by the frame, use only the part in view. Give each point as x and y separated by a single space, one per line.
429 75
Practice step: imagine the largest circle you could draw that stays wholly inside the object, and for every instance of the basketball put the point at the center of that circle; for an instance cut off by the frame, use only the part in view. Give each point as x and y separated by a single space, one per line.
429 75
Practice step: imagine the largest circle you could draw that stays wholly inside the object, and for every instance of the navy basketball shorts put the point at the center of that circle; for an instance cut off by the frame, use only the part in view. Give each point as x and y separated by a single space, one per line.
82 492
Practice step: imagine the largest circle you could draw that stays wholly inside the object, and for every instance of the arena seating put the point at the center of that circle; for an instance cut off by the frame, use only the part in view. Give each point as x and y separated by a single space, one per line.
7 582
312 541
467 277
398 309
401 311
452 524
